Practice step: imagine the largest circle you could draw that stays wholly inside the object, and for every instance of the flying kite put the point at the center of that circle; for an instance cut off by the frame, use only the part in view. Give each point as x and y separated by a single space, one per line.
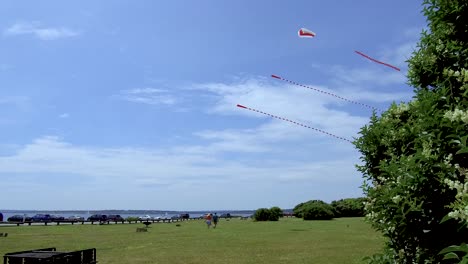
294 122
305 33
374 60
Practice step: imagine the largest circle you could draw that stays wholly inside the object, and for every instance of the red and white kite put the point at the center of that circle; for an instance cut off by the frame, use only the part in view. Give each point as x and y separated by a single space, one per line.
305 33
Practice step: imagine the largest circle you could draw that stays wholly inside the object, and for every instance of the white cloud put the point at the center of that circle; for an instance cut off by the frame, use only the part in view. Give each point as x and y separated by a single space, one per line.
64 115
176 172
151 96
39 31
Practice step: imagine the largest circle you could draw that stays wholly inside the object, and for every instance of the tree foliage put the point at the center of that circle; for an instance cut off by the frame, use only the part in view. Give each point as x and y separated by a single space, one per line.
415 155
349 207
314 210
265 214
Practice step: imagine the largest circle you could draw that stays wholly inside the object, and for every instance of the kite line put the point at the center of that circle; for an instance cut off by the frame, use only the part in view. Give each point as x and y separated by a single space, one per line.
320 91
294 122
374 60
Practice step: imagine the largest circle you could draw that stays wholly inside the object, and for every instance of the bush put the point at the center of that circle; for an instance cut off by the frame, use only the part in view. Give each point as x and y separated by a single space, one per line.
316 209
275 213
262 214
265 214
415 155
350 207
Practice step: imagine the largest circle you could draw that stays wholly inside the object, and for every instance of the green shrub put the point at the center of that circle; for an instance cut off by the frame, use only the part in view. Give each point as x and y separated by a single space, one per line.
350 207
415 155
275 213
265 214
317 211
262 214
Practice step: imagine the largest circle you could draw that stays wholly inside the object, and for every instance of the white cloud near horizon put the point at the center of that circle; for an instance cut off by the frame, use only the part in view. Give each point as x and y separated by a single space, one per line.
41 32
177 171
150 96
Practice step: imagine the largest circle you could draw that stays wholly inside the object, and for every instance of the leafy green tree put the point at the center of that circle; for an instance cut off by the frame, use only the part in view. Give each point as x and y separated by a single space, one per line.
314 210
415 155
262 214
275 213
318 211
349 207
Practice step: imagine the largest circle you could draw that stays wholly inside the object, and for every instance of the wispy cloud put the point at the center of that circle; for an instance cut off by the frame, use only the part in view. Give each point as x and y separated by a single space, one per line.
175 170
151 96
38 30
21 102
64 115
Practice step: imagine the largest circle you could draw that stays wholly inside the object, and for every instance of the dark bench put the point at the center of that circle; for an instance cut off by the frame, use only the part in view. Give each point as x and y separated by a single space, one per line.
51 256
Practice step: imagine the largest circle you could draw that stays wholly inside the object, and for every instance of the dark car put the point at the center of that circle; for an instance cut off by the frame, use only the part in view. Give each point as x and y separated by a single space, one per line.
42 218
57 218
116 218
19 218
227 215
97 217
184 216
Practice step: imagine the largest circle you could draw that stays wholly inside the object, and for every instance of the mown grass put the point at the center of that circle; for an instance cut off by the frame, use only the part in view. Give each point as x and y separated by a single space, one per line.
290 240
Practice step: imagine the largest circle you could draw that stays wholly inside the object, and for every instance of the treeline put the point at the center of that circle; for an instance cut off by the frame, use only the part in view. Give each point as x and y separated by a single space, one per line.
317 210
320 210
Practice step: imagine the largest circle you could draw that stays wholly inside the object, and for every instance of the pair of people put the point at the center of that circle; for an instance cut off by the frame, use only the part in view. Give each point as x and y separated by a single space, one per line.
209 217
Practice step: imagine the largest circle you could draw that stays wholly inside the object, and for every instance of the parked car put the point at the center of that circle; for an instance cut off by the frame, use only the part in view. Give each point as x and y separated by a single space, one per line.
75 218
42 218
175 217
57 218
97 217
146 217
227 215
19 218
115 218
184 216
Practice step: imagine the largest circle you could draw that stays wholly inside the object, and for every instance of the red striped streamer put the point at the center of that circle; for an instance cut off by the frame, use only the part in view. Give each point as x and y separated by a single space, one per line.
320 91
294 122
374 60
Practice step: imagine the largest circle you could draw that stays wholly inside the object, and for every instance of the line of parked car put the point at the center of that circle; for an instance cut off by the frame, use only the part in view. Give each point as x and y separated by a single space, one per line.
36 218
95 217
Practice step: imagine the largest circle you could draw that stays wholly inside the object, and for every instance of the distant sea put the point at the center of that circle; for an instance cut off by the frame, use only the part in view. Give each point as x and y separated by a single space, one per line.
123 213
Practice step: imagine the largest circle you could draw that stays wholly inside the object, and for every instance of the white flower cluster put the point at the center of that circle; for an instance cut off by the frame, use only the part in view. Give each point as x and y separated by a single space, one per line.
427 148
460 206
396 199
462 75
457 115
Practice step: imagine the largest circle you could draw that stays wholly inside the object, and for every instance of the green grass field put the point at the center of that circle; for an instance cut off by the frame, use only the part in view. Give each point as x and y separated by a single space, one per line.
290 240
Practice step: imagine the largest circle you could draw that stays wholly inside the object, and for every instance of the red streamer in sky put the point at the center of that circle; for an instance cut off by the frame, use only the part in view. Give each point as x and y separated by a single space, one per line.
374 60
320 91
294 122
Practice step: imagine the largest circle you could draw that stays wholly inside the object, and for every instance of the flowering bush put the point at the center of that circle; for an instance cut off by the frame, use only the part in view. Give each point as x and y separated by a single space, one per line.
414 156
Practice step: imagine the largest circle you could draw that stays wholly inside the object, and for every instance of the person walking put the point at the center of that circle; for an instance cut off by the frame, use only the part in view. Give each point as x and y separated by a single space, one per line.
208 220
215 220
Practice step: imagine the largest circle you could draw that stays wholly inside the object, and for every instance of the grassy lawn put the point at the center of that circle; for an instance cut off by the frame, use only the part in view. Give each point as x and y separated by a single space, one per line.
345 240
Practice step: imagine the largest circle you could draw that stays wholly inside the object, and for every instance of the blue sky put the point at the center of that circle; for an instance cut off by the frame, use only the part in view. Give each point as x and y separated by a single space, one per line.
132 104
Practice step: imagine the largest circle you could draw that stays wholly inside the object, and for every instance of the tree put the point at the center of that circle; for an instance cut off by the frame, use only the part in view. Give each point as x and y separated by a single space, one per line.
314 210
275 213
349 207
262 214
415 155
